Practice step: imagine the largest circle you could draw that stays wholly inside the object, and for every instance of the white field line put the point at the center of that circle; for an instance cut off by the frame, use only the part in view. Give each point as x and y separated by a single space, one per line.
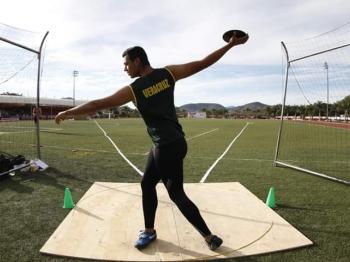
234 159
51 129
202 134
139 154
30 127
16 132
190 138
119 151
223 154
193 157
30 131
78 149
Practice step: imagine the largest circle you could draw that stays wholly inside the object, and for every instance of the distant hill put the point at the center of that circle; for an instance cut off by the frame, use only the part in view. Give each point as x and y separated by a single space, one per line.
210 106
253 106
200 106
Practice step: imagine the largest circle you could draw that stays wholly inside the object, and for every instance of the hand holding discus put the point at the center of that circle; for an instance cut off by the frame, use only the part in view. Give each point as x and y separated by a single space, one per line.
235 37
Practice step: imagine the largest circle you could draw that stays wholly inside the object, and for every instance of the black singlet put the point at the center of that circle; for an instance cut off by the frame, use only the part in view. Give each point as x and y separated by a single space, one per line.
154 97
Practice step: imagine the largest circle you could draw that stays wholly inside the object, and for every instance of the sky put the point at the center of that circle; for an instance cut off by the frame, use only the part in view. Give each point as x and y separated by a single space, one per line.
90 36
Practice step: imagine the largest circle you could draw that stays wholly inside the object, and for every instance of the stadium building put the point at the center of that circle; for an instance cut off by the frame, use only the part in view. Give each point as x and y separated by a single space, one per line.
19 107
197 115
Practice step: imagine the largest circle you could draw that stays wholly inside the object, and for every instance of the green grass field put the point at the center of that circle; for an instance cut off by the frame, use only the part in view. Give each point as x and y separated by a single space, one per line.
79 154
319 148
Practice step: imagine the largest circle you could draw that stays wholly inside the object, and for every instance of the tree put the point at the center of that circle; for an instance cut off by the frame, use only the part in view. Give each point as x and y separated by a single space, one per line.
125 111
303 111
115 111
345 105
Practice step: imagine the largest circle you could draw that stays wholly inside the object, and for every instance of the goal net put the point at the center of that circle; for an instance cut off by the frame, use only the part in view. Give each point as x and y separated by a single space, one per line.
20 69
314 135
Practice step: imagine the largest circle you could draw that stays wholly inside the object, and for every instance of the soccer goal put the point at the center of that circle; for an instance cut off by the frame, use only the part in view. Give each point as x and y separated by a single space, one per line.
21 55
314 133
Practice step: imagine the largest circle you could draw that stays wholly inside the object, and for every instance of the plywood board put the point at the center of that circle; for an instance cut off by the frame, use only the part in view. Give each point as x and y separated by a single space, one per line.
105 223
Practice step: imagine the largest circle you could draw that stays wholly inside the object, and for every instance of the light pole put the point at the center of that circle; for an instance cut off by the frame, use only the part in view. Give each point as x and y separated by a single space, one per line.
326 67
75 74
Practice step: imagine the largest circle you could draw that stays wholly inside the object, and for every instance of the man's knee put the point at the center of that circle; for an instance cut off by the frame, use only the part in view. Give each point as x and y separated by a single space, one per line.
176 194
147 184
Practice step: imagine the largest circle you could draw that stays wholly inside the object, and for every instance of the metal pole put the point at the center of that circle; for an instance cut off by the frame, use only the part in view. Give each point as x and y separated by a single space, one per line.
347 182
326 68
38 98
327 92
38 83
283 105
322 52
75 74
73 89
21 46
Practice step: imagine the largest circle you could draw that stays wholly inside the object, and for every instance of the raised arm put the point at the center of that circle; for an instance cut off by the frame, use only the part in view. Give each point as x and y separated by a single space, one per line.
121 97
188 69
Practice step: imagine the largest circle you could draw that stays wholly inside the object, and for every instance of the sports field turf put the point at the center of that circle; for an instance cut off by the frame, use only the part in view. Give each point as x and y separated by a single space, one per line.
79 154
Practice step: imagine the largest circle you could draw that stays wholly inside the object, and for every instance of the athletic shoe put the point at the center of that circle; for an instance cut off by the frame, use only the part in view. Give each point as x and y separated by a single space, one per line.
214 242
145 238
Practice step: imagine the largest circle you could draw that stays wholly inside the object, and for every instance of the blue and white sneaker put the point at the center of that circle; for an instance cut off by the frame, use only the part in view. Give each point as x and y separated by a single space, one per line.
145 238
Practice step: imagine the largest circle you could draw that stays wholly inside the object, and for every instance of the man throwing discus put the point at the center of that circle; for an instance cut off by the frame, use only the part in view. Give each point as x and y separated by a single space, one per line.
153 94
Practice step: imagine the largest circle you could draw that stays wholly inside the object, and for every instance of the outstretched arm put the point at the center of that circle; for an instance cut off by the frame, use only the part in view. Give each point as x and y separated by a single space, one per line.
188 69
121 97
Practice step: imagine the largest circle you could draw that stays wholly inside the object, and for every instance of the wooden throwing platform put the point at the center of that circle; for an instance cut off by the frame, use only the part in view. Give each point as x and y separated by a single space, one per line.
105 223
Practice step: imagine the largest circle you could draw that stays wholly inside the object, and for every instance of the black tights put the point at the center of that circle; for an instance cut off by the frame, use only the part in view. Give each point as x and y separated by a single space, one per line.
166 163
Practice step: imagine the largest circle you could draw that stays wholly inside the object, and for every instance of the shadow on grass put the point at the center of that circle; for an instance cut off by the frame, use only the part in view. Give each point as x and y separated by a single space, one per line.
12 184
49 177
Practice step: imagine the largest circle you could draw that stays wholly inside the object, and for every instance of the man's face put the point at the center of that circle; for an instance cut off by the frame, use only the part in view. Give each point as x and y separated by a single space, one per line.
131 67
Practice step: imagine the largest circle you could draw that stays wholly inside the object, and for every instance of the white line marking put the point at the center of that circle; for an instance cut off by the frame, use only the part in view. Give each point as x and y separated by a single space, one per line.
118 150
51 129
78 149
30 131
16 132
188 139
223 154
31 127
145 154
234 159
202 134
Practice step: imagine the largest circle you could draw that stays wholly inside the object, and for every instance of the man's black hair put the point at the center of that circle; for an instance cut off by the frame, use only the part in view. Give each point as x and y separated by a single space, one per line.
137 51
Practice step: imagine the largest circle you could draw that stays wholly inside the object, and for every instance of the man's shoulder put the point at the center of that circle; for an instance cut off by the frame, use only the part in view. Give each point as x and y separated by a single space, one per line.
157 75
160 70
